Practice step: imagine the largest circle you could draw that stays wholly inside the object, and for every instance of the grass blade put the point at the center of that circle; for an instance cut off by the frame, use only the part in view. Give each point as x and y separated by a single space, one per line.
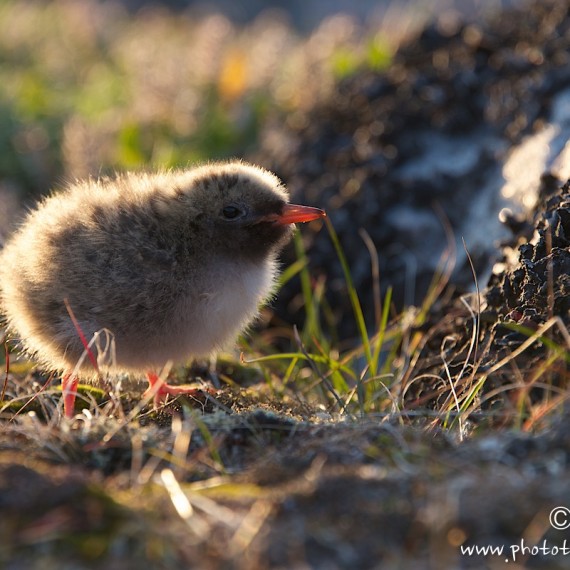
353 295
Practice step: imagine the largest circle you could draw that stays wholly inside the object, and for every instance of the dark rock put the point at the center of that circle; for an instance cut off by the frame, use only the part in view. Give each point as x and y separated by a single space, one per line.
540 287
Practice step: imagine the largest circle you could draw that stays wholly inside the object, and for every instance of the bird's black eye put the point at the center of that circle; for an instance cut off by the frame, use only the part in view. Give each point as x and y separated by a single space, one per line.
231 212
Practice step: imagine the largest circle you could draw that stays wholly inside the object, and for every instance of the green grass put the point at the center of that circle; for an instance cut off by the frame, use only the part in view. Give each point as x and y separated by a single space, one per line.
355 381
372 376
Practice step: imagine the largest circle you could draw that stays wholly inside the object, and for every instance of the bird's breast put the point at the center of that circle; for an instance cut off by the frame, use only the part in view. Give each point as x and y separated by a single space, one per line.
227 301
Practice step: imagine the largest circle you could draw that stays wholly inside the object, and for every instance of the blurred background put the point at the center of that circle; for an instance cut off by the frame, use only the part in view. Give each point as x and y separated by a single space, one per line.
305 15
89 87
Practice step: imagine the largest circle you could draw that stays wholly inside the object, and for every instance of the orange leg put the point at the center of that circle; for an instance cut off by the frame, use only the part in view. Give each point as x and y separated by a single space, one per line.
69 388
162 390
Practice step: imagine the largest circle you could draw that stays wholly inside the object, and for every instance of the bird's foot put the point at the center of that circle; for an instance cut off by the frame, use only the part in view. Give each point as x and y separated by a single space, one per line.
159 390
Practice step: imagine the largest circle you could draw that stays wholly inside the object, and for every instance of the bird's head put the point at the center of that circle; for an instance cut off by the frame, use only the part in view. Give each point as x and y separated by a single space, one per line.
243 209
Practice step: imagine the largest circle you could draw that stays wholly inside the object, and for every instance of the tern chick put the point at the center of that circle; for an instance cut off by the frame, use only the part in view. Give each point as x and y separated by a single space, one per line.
174 264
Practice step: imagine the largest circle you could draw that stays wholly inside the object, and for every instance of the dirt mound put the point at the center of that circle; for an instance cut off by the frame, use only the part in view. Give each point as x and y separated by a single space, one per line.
420 149
539 287
524 322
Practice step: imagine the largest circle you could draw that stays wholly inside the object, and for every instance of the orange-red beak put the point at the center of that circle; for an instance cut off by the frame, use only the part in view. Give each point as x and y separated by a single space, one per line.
293 214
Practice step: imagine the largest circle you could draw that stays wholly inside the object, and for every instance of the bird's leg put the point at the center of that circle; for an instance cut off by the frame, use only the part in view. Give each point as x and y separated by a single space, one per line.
161 390
69 383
